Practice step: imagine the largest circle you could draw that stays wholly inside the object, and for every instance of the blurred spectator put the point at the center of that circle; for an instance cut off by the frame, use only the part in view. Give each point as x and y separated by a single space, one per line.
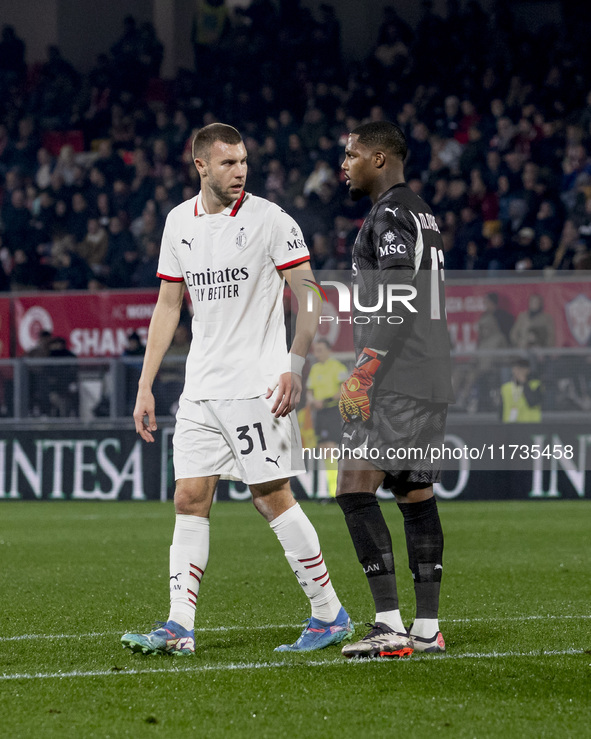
147 225
275 181
321 254
142 186
470 229
521 397
135 351
150 50
476 386
547 220
25 273
6 149
313 127
66 165
122 255
61 381
38 397
502 317
145 271
569 246
104 211
77 222
134 347
71 271
24 150
44 168
450 120
420 150
323 393
474 154
545 255
16 218
109 163
171 377
322 398
345 232
523 248
12 58
533 327
320 176
94 246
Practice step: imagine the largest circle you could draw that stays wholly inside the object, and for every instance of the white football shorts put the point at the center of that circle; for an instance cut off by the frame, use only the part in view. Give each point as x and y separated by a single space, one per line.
237 440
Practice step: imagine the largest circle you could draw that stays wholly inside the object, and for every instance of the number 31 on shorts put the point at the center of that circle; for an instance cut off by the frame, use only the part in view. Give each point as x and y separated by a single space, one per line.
244 434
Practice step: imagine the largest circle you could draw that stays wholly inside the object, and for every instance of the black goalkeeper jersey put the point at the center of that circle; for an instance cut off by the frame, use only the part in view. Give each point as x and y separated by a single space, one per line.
399 244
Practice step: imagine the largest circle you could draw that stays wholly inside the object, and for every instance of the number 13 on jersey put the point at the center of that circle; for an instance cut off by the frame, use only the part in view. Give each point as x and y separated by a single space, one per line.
437 278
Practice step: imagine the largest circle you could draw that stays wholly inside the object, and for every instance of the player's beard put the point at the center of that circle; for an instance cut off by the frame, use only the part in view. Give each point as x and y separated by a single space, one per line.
226 197
356 194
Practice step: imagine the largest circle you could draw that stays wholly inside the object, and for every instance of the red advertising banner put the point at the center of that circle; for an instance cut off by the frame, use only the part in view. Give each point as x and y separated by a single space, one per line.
97 324
94 324
4 328
568 304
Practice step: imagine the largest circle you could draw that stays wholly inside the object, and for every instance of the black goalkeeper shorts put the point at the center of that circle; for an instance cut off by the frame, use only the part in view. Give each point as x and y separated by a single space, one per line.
397 438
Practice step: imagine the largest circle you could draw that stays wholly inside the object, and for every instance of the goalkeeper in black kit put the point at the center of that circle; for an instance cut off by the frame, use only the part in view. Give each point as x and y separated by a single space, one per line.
394 404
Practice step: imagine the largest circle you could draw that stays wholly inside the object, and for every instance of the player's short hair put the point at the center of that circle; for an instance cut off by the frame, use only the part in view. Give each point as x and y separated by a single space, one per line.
382 135
208 135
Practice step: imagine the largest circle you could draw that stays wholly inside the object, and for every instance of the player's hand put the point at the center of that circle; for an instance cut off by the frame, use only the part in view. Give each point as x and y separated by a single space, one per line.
354 403
289 391
144 415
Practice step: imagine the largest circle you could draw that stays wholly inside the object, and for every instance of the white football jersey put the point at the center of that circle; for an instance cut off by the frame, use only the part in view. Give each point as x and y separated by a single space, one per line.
230 262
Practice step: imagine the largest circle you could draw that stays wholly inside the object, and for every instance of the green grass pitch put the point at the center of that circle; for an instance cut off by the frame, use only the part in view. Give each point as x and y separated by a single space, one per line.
515 613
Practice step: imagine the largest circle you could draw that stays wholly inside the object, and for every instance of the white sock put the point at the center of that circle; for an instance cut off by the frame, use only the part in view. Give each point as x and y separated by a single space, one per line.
188 559
425 627
300 543
393 619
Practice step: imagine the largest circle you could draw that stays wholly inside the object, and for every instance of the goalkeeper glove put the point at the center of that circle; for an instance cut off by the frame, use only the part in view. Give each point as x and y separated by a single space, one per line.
354 402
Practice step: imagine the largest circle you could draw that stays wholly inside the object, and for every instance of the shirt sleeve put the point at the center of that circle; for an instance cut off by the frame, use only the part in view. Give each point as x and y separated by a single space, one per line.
398 245
395 238
288 247
168 264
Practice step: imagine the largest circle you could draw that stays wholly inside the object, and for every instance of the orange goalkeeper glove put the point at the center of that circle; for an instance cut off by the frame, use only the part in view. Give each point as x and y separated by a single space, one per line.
354 402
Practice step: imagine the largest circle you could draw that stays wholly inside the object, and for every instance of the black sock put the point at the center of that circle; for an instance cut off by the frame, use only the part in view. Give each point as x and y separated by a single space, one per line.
424 542
373 545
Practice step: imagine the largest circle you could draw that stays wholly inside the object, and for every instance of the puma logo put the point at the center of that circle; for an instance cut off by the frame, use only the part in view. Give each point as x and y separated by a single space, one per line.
175 577
391 211
268 459
188 243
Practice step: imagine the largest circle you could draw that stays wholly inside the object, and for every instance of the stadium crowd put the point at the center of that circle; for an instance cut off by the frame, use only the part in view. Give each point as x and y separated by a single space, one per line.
498 120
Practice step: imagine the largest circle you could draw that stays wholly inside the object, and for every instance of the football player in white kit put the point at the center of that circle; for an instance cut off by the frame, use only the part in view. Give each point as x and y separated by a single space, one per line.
236 417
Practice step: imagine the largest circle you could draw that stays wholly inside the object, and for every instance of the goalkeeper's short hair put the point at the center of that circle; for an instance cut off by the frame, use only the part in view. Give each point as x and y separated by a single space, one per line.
382 135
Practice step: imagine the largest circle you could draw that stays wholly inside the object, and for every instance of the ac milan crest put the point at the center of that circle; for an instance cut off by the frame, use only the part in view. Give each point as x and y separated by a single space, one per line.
241 239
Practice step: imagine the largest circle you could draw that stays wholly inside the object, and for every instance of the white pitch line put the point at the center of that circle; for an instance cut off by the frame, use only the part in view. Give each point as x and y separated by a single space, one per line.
232 666
509 618
206 630
264 627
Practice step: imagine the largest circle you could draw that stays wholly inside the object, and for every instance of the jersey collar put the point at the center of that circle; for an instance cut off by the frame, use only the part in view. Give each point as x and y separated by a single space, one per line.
394 187
231 210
